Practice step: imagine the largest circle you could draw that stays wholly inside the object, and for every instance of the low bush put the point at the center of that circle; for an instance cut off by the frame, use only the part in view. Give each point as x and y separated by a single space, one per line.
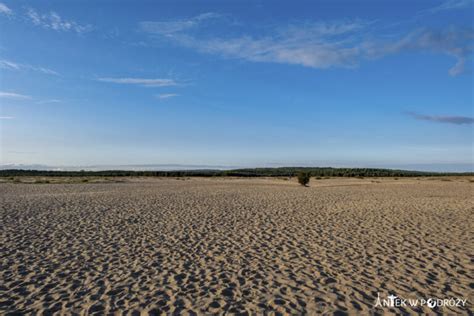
303 178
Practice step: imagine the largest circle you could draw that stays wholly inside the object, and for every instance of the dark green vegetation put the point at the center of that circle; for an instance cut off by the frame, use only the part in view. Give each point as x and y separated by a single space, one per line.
303 177
251 172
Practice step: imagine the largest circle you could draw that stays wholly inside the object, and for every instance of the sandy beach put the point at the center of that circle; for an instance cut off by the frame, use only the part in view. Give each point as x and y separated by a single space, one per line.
236 246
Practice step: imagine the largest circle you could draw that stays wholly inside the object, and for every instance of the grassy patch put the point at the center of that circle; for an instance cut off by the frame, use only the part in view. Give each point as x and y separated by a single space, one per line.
41 181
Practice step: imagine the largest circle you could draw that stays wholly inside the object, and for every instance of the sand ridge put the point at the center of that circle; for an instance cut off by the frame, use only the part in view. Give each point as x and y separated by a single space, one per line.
214 246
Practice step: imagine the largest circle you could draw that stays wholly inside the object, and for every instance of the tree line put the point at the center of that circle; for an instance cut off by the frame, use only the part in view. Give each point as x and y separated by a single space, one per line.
249 172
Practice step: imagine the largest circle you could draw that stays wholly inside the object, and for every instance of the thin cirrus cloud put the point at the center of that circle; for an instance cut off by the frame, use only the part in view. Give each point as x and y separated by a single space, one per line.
50 20
20 97
49 101
168 28
10 65
144 82
452 41
451 5
53 21
13 96
317 45
458 120
310 44
4 9
165 96
6 117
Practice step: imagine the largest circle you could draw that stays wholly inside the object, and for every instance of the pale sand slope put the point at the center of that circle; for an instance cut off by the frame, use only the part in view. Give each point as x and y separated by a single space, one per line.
210 246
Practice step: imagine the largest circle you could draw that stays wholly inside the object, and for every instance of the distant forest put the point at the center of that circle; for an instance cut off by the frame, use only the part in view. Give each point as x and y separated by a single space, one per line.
251 172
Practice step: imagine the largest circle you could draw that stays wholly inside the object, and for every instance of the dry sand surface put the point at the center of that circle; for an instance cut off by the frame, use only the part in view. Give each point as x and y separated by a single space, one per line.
217 246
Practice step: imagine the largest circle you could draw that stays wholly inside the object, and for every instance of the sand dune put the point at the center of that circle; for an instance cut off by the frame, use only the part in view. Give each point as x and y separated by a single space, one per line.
215 246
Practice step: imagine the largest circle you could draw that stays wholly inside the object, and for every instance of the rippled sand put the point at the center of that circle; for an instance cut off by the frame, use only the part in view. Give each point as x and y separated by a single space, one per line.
209 246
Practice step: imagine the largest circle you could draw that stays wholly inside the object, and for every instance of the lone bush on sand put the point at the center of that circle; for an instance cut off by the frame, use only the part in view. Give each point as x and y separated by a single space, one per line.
303 178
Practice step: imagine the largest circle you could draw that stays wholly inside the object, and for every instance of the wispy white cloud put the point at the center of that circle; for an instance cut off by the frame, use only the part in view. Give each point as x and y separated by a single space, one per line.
451 5
18 96
49 101
452 41
166 96
6 117
174 26
5 64
4 9
316 45
458 120
325 45
279 50
145 82
10 65
13 96
54 21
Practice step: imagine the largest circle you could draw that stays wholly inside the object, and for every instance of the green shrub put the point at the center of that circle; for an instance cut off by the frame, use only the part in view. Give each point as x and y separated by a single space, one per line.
303 178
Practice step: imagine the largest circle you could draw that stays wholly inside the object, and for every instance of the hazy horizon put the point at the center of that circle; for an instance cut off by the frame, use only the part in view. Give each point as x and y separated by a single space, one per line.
237 84
167 167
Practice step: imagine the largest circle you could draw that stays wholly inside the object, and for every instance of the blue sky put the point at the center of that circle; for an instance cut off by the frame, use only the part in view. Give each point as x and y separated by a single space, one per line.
237 83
